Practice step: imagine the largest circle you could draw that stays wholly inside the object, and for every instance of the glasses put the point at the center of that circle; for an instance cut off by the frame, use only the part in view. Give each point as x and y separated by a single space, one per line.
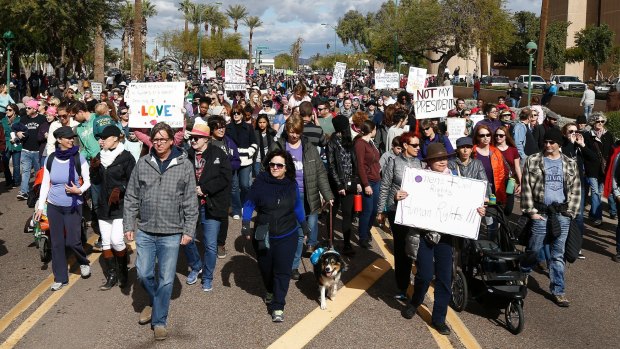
160 140
219 127
236 113
493 112
414 145
195 138
550 142
54 104
499 135
123 113
534 114
62 116
319 109
29 108
9 109
467 114
600 122
276 165
484 135
427 128
570 132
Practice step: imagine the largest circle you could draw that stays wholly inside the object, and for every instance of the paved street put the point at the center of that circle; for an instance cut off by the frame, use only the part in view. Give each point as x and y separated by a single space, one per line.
364 314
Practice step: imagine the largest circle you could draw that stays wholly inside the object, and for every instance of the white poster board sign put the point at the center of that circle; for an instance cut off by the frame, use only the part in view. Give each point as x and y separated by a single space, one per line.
433 102
387 80
416 79
456 129
235 74
97 87
339 71
475 118
153 102
440 202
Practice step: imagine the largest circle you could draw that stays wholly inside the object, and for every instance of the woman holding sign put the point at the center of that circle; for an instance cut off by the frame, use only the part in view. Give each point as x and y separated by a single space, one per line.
434 257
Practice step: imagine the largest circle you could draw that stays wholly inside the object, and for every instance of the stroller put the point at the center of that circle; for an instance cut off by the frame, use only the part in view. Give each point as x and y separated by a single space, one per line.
491 269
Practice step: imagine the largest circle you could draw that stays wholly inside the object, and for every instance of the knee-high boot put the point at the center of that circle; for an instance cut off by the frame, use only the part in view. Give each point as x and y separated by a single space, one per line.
112 276
122 259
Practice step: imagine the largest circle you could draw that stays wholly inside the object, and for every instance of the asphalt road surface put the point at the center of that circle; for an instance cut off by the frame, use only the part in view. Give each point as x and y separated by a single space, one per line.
363 314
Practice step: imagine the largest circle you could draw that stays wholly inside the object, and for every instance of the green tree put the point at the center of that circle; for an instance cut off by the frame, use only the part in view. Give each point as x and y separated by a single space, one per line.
555 46
283 61
614 62
186 6
596 42
236 13
353 28
527 26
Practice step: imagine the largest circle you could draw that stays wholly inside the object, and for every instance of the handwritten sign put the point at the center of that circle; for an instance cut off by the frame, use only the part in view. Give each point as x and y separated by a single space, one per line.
416 79
97 87
440 202
153 102
387 80
339 71
456 129
433 102
476 118
235 74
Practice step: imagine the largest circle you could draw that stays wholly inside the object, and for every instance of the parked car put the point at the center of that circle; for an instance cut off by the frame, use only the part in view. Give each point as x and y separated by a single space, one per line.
600 87
568 83
537 82
499 81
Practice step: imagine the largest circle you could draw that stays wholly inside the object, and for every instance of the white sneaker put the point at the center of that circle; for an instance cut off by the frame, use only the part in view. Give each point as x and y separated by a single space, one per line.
85 271
236 217
58 285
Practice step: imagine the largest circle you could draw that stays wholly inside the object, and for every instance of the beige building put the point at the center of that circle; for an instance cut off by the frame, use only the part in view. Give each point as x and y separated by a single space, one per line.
583 13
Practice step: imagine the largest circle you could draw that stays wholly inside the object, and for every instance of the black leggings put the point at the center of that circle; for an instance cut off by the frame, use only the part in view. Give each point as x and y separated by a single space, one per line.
402 263
345 204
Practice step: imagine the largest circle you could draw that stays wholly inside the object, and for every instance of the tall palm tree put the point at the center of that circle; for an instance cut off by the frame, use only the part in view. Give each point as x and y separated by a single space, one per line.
99 54
126 21
186 6
148 11
218 23
252 23
136 64
209 16
195 15
236 13
544 14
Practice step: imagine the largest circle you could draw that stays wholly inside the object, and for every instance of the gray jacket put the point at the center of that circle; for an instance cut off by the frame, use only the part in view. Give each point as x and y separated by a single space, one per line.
162 203
392 179
474 169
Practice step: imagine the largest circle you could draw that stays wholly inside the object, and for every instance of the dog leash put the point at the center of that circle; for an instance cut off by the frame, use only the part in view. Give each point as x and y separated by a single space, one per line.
331 228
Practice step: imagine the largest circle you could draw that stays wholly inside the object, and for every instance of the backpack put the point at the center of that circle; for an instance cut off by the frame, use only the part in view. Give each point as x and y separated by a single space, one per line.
33 194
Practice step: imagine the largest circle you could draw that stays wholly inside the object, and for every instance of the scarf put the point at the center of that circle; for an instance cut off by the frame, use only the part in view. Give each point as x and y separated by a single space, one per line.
599 133
69 154
108 156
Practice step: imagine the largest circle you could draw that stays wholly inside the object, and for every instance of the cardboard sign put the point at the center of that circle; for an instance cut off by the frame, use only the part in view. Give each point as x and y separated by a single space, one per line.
235 74
339 71
387 80
441 202
416 79
153 102
433 102
456 129
475 118
97 87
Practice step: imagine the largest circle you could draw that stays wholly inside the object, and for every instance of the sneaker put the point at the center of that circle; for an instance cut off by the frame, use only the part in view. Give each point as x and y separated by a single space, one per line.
543 267
85 271
409 311
308 251
277 316
598 223
236 217
268 298
160 333
581 256
207 285
616 258
442 328
295 275
58 285
192 277
98 246
145 315
22 196
221 252
561 300
401 296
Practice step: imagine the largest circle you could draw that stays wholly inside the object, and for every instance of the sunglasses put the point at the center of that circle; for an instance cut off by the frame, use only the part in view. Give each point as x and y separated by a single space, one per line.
195 138
9 109
499 135
570 132
467 114
414 145
550 142
484 135
427 128
29 108
319 109
124 113
276 165
600 122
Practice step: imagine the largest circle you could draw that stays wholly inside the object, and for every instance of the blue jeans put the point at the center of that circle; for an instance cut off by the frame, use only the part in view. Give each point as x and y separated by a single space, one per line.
240 187
618 237
514 102
587 110
475 95
256 168
556 265
210 229
29 161
15 178
164 249
313 224
369 210
596 190
434 261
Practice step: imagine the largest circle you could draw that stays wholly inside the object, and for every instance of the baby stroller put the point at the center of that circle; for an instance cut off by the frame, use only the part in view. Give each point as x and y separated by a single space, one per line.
486 269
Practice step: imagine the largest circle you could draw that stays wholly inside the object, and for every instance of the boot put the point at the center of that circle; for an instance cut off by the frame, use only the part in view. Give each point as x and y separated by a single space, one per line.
112 277
122 259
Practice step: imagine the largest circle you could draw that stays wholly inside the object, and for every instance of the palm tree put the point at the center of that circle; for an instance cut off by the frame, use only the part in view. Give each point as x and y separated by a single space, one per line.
148 11
209 15
252 22
544 15
126 21
186 6
136 64
99 54
218 23
236 13
195 15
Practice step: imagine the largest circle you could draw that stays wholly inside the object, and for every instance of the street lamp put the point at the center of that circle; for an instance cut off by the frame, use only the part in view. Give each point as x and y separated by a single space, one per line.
530 49
400 62
8 38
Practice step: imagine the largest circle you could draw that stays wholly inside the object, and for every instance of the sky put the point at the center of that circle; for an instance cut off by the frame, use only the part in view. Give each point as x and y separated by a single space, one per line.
285 20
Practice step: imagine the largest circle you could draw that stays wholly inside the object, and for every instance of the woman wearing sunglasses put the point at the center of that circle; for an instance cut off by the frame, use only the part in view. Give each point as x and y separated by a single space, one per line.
276 198
503 141
13 150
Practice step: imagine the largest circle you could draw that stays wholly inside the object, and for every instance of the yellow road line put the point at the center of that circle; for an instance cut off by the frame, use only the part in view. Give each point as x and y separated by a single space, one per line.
458 327
21 331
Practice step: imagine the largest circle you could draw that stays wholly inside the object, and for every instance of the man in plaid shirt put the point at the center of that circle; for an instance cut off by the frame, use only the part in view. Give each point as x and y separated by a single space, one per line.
550 195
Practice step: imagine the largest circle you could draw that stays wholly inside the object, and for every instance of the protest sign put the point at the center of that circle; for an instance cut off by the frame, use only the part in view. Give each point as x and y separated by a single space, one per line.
339 71
97 87
475 118
441 202
416 79
386 80
153 102
235 74
433 102
456 129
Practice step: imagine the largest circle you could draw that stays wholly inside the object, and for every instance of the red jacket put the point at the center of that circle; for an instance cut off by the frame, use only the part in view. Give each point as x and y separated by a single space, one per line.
367 161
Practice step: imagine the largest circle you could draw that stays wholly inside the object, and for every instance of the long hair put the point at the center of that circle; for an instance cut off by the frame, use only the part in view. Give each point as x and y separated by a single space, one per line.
509 140
288 161
261 117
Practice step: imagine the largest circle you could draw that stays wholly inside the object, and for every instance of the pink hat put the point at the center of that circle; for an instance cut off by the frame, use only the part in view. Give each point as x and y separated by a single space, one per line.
51 111
32 104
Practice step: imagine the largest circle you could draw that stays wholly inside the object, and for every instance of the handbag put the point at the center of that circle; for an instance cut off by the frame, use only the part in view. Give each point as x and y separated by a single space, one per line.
261 235
573 242
412 243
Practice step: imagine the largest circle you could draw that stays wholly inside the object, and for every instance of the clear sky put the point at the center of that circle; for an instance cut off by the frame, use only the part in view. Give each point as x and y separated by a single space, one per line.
285 20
